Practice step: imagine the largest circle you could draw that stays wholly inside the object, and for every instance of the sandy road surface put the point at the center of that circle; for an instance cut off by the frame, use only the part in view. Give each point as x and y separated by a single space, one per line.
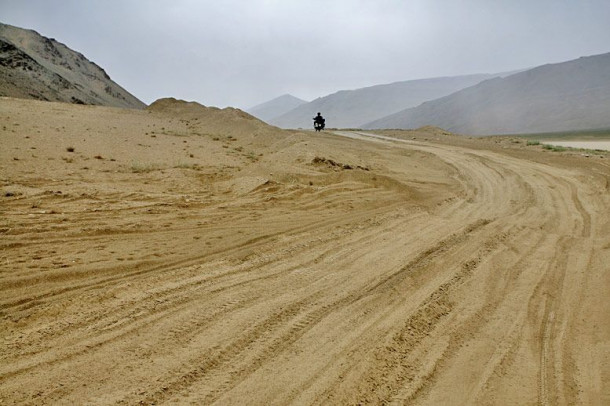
424 272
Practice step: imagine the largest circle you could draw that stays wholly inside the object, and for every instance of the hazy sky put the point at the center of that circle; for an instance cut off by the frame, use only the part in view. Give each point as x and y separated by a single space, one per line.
244 52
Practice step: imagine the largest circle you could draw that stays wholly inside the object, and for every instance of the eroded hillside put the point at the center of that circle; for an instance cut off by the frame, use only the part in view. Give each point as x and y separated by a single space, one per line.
36 67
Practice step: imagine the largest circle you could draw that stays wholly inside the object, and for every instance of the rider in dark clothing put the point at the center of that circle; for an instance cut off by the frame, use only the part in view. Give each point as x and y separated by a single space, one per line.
319 119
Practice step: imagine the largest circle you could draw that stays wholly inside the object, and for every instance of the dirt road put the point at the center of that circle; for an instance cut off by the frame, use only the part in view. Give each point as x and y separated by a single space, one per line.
428 271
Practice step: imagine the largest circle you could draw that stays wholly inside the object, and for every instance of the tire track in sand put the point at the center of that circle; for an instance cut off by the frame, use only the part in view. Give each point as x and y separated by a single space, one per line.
296 323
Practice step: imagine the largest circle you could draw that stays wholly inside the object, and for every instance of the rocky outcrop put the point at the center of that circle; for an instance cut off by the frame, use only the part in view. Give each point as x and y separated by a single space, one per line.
36 67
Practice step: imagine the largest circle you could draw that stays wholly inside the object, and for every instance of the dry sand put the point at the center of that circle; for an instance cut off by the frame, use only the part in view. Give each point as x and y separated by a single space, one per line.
195 256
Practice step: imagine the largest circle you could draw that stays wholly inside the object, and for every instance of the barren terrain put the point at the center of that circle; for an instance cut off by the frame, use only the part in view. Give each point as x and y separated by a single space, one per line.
184 255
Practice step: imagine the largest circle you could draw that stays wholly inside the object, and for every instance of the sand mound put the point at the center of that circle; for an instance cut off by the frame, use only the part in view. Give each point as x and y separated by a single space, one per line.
212 120
193 110
434 130
170 105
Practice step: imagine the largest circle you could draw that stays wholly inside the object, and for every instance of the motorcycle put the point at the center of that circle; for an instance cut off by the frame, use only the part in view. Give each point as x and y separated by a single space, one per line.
318 126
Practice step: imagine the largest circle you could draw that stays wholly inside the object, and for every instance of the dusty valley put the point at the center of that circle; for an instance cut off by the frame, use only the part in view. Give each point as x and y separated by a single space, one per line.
187 255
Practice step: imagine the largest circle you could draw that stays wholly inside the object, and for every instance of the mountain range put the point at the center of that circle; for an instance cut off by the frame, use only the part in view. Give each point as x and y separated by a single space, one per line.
354 108
573 95
36 67
566 96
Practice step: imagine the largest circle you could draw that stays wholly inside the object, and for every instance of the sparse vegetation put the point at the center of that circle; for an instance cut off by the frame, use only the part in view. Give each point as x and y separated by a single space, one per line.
186 165
534 142
139 167
554 148
252 156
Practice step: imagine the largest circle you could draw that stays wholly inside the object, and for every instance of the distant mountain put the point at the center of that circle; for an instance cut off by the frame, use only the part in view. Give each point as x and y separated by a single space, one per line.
36 67
564 96
276 107
353 108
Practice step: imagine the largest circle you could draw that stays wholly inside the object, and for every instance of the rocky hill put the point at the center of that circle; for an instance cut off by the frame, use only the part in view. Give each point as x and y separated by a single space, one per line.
276 107
353 108
566 96
36 67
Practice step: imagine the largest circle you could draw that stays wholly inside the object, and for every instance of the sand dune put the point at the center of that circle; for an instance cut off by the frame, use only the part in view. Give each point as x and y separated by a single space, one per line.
190 255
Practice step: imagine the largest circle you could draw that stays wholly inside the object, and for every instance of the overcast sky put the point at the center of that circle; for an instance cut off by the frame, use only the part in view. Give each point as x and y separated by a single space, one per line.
244 52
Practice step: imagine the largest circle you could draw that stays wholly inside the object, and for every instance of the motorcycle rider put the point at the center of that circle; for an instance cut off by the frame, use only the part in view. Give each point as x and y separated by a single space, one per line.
319 120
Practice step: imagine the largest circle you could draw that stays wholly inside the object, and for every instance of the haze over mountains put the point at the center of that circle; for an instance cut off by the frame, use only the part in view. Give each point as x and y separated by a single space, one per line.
276 107
564 96
573 95
353 108
36 67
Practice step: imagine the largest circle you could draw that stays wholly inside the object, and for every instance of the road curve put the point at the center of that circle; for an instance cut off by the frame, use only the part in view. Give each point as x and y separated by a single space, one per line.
483 282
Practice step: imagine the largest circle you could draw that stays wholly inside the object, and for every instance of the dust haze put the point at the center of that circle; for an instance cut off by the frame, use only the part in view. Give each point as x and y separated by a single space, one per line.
242 53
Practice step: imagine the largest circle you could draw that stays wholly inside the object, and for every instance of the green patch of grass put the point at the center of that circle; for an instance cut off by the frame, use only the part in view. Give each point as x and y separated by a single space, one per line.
535 142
